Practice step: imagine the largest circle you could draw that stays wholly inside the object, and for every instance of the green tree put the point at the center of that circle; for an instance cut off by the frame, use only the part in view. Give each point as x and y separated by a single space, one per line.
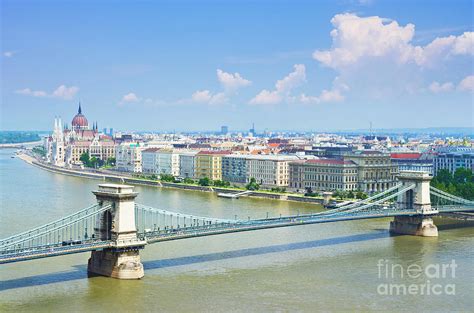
206 181
188 180
252 185
167 177
361 195
111 162
221 183
85 159
350 194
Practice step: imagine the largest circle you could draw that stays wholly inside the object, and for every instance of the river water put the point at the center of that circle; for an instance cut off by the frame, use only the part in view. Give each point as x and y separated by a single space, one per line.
332 267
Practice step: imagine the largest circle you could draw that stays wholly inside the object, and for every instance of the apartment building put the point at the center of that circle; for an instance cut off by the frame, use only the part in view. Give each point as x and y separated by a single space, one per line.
323 175
269 170
375 170
160 161
209 164
128 157
187 164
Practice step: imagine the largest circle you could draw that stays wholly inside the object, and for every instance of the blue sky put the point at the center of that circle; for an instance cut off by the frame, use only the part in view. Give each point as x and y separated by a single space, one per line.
196 65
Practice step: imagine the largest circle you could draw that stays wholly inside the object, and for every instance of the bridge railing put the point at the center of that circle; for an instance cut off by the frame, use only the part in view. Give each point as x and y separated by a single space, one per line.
72 230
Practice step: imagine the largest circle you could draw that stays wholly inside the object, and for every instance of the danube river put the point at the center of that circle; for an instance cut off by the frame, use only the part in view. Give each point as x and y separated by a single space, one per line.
332 267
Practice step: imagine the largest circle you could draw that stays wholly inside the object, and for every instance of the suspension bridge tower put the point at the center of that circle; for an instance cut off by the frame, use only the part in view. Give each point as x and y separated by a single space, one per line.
416 199
117 225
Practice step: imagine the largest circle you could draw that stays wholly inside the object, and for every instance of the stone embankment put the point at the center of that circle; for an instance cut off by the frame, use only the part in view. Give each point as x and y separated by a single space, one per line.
123 179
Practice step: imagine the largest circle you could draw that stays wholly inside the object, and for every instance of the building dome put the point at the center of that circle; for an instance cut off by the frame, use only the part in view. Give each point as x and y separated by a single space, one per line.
79 121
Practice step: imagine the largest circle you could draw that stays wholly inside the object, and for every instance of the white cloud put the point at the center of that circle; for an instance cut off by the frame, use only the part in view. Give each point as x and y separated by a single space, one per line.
335 94
26 91
9 54
62 92
267 97
205 96
231 82
283 87
130 97
437 87
358 38
467 84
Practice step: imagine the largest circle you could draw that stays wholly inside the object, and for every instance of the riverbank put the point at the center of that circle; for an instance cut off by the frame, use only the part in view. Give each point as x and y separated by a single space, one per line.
19 144
122 179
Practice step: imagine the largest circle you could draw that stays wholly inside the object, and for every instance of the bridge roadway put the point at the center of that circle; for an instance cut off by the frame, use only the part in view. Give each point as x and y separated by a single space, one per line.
150 237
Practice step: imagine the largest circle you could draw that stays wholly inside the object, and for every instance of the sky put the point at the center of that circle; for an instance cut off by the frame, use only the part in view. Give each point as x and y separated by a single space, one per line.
197 65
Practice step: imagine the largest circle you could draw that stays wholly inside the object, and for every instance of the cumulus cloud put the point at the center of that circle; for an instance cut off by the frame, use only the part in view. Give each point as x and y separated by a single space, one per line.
283 87
357 38
9 54
467 84
62 92
335 94
130 97
205 96
231 81
437 87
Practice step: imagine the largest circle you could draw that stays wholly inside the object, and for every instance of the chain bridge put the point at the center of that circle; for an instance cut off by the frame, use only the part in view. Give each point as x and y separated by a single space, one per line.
116 228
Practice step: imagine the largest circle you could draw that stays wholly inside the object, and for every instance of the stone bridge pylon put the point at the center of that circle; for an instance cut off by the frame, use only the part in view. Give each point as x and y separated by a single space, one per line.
417 199
122 259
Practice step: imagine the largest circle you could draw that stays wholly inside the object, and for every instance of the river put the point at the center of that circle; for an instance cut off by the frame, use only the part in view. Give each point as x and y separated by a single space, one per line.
331 267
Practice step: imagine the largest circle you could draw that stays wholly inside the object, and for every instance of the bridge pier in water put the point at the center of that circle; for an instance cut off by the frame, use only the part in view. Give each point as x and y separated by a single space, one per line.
418 199
122 260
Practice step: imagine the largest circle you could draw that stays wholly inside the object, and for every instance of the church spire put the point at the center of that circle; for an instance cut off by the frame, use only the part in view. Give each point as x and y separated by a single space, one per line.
79 111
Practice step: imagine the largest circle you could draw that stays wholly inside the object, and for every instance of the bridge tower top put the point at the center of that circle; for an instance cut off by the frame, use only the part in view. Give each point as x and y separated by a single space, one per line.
417 198
122 213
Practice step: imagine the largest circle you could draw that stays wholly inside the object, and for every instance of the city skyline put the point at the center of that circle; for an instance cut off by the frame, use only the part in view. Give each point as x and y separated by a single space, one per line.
158 67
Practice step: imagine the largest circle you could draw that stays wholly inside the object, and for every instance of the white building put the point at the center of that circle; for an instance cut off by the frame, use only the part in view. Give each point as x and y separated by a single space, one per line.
128 157
160 161
269 170
187 164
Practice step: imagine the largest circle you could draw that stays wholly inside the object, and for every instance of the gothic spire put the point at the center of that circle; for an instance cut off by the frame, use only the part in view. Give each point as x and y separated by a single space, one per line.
79 111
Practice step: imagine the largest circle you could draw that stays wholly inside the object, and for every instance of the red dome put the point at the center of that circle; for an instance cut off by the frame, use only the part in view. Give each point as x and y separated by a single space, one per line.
79 121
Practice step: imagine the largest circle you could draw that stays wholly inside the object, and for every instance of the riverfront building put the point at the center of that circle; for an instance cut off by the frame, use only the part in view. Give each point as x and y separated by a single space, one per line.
66 145
269 170
413 161
234 168
323 175
209 164
128 157
451 161
375 170
160 161
187 164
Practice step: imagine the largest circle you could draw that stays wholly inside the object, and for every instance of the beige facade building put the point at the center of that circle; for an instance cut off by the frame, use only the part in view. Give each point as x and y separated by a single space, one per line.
375 170
209 164
323 175
101 149
269 170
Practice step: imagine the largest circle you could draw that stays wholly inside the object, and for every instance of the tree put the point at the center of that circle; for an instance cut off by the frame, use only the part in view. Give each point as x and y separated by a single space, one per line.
85 159
361 195
110 162
188 180
206 181
221 183
167 177
252 185
350 194
462 175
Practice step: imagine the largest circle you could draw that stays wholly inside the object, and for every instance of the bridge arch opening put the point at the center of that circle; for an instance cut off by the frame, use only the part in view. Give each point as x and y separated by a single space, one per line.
410 199
106 226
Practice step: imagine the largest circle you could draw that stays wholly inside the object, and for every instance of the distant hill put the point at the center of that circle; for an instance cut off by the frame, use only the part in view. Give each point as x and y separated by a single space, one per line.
18 136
